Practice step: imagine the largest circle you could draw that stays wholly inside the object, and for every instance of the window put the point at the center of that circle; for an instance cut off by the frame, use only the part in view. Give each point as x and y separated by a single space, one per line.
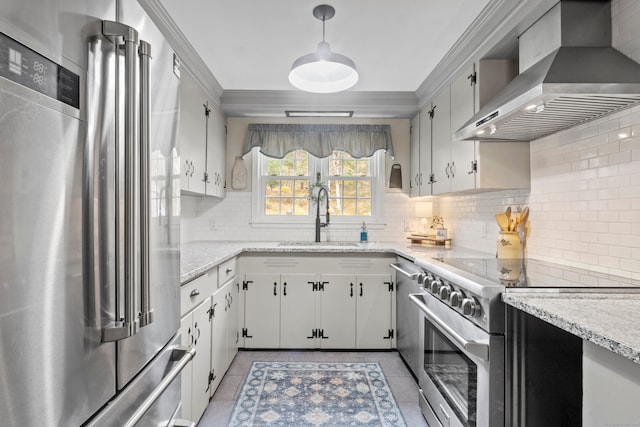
286 185
283 186
349 185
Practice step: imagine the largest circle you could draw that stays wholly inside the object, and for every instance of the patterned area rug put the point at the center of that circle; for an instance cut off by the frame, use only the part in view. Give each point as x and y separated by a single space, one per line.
316 394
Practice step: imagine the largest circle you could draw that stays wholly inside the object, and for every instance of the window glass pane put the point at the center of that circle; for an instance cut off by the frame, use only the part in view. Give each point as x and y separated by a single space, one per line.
349 207
364 189
302 163
362 168
335 206
273 167
288 165
272 188
271 206
286 206
301 207
349 168
364 207
349 189
301 188
335 188
286 187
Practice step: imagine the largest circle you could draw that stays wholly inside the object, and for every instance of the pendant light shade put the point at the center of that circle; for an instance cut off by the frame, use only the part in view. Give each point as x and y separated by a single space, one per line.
323 71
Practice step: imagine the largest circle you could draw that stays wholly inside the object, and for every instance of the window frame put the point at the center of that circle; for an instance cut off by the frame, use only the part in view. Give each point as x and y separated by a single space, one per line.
258 218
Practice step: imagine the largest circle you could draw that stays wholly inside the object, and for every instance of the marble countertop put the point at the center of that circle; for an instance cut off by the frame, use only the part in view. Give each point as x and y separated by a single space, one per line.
609 320
198 257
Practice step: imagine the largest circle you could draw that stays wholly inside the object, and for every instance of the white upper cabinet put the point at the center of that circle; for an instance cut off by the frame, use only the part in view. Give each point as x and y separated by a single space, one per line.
441 142
460 166
414 182
192 136
462 109
202 140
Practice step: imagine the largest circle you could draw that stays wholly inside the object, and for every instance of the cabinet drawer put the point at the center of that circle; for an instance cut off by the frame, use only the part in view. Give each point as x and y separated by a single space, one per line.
227 270
196 291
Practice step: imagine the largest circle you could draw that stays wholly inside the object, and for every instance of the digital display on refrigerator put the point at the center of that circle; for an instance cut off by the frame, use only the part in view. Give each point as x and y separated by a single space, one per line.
24 66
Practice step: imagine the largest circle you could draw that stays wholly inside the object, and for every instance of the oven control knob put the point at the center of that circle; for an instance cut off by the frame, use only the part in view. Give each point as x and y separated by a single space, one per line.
420 278
456 299
445 291
470 307
435 286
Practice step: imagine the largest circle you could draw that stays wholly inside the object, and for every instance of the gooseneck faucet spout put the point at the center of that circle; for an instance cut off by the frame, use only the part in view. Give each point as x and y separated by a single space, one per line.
318 223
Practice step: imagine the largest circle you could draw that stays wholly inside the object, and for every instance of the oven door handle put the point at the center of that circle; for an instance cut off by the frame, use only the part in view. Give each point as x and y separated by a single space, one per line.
476 348
412 276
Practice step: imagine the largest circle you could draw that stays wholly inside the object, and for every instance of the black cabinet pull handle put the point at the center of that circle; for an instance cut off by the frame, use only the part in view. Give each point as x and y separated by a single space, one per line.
284 292
275 284
351 292
360 289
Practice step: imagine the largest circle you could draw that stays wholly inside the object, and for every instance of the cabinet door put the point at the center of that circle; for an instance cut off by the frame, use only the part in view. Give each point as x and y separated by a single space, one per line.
202 360
425 152
262 311
233 324
441 142
462 152
298 311
187 373
192 135
216 153
338 310
218 339
414 182
373 311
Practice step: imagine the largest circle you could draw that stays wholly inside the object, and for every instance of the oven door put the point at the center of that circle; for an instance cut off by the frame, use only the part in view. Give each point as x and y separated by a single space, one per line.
462 372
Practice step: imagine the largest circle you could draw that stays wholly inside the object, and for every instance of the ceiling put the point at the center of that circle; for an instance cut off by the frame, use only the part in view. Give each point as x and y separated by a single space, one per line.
249 45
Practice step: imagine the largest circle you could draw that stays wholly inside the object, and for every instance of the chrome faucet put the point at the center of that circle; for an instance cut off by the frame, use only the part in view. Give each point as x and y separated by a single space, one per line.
318 223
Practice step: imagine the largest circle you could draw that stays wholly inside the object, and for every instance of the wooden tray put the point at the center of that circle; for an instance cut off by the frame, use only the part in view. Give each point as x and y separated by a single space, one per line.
428 239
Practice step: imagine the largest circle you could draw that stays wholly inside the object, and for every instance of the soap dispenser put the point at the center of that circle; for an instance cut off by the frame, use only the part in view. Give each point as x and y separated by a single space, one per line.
363 233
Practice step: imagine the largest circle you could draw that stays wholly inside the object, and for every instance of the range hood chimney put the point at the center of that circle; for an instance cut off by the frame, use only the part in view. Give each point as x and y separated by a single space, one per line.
569 74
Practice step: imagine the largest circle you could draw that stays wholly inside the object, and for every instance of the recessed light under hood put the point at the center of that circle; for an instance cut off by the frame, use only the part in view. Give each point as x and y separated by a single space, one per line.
579 77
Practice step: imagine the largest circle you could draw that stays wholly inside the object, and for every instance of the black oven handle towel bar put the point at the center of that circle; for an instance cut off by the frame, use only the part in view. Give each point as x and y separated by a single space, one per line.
476 348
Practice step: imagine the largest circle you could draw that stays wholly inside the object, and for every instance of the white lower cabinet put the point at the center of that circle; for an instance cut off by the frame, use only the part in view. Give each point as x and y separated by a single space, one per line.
307 308
196 332
298 311
261 310
210 324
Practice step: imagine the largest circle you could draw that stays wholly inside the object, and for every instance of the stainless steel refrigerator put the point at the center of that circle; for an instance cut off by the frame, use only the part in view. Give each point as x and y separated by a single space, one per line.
89 216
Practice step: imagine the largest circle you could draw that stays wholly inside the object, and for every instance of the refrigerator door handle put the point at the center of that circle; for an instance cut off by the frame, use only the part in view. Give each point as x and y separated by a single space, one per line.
128 37
179 353
146 312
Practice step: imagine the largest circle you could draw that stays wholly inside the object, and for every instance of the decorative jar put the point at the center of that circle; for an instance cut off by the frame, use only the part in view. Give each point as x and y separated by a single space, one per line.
509 245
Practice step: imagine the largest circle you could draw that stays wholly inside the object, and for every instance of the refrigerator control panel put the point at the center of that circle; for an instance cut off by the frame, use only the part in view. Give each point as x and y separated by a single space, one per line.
24 66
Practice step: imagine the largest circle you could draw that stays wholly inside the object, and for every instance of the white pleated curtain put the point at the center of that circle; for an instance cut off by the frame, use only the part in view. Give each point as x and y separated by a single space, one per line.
360 141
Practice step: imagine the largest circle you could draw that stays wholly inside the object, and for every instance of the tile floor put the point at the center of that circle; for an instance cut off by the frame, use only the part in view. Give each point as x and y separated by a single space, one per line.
402 384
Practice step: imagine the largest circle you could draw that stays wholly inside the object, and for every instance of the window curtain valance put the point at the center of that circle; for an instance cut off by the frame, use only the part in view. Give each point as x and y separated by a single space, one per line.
276 140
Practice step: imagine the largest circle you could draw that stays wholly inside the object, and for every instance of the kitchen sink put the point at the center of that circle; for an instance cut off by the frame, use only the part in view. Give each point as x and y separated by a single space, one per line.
320 244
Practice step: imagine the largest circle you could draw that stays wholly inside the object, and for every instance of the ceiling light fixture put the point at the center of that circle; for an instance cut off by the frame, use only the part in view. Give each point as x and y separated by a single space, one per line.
323 71
318 113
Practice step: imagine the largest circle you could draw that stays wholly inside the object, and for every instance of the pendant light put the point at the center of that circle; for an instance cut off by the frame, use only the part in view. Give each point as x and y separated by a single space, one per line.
323 71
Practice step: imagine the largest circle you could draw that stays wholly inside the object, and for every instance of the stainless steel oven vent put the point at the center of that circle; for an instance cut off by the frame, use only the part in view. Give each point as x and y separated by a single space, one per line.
569 74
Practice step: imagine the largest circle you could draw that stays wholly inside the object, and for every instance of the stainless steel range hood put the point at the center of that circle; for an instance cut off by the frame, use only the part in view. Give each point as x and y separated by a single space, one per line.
569 74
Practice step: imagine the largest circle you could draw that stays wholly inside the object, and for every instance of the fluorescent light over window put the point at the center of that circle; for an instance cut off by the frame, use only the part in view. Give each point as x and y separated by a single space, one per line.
318 113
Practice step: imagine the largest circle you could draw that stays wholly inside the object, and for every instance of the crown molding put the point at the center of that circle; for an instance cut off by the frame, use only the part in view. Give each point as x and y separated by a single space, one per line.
190 59
246 103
